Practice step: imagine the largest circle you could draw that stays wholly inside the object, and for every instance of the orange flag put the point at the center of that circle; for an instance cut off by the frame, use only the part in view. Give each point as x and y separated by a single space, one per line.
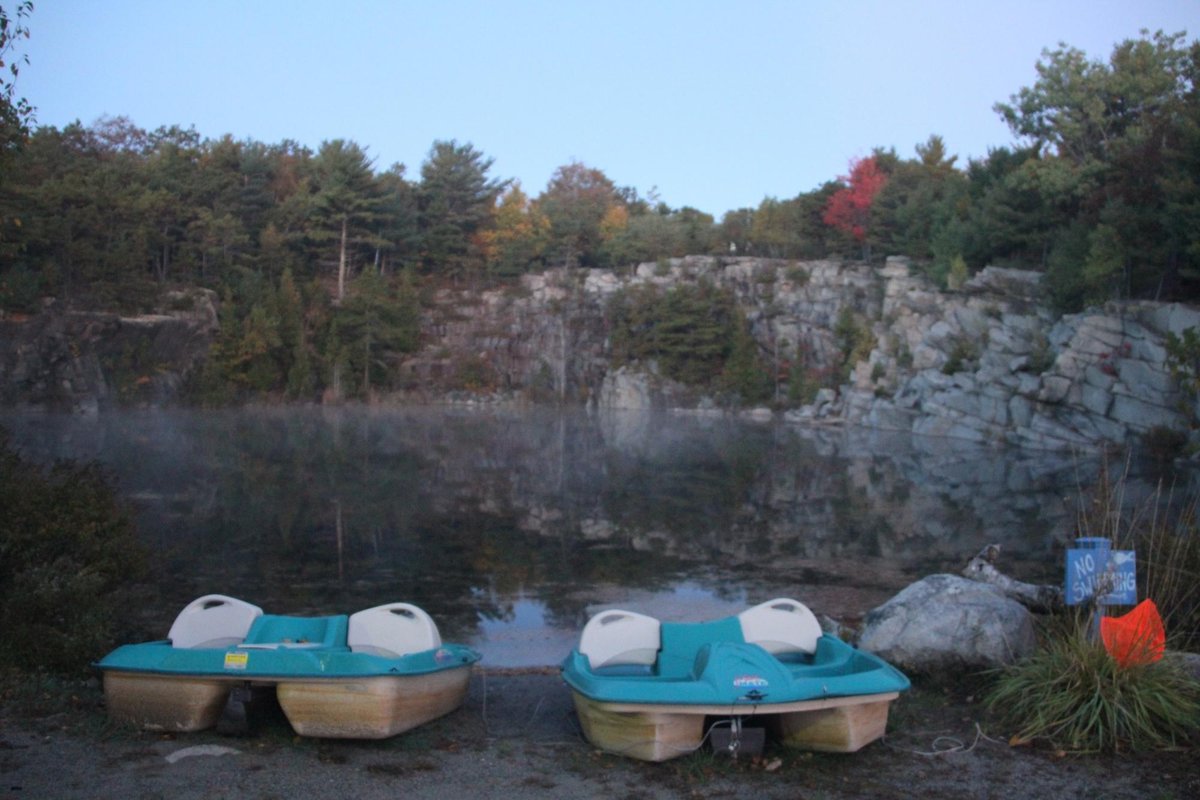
1135 638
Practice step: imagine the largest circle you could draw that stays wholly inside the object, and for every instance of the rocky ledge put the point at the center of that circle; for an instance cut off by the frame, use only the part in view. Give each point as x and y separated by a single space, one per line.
85 360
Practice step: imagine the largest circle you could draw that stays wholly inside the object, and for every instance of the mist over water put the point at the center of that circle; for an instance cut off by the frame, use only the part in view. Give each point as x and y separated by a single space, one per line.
512 527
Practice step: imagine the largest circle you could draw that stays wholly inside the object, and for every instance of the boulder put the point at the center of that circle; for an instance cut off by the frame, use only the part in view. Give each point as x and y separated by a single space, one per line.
627 388
944 621
1188 662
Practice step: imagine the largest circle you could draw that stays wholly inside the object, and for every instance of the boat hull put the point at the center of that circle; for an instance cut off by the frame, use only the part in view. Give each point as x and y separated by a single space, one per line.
165 702
649 735
372 707
657 732
845 726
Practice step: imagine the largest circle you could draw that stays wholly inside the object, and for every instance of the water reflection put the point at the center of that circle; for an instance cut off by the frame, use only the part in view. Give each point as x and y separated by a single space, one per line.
511 527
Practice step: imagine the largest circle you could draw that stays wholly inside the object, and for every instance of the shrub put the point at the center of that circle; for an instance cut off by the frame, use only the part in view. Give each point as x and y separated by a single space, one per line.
962 355
957 274
20 289
1075 696
803 385
1042 356
693 332
68 553
1183 357
854 340
474 374
798 275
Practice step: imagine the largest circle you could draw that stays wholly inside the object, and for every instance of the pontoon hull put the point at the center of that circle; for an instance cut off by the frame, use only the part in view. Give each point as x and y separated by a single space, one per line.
371 708
165 702
657 732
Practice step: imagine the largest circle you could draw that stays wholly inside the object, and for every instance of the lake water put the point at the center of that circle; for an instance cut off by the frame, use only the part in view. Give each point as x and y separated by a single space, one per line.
512 527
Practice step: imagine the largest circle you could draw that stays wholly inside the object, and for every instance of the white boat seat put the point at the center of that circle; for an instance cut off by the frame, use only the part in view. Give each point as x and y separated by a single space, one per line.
392 630
213 620
781 626
618 637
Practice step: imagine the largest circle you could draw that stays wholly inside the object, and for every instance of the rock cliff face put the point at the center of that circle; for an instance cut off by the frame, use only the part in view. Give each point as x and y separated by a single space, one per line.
84 361
988 363
991 364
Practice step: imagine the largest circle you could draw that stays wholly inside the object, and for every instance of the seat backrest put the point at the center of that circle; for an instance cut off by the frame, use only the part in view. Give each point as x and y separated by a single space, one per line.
620 637
213 620
392 630
781 626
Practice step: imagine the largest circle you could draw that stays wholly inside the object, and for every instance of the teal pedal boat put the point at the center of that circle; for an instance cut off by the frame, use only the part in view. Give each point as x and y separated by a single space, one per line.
644 688
369 675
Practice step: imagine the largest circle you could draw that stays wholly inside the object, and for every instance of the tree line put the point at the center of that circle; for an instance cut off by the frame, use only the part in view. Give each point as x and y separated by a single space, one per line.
319 256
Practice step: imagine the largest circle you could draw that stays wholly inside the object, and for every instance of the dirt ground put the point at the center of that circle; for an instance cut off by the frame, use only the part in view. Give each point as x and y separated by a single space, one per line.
517 737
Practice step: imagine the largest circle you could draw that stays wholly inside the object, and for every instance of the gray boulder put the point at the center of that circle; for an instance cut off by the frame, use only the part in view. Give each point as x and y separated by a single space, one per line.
1189 662
944 621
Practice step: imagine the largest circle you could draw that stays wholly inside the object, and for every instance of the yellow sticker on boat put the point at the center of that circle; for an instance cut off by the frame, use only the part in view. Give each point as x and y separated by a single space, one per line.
236 660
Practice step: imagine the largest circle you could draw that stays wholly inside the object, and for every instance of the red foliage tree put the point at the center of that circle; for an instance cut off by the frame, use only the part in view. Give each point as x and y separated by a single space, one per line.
849 208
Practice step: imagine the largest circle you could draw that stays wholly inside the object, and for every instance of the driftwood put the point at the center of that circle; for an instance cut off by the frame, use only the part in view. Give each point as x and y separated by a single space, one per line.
1035 596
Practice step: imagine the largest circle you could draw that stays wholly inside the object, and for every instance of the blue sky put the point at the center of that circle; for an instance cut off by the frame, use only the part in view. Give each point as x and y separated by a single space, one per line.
717 104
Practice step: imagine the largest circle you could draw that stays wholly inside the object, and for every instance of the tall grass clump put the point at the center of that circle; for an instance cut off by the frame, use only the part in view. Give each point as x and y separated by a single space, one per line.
1072 693
1162 526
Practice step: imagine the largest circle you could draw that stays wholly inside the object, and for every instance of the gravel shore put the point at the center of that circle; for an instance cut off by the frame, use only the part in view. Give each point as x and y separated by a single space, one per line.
517 737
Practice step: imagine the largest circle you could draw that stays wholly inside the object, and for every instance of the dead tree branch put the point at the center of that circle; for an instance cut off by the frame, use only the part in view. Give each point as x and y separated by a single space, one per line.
1037 597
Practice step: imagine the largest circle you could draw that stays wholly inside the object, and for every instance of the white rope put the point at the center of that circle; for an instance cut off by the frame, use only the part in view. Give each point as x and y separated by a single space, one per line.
945 745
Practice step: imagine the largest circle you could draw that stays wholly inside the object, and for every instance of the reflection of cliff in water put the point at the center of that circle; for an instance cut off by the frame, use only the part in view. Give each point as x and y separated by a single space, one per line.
315 509
823 494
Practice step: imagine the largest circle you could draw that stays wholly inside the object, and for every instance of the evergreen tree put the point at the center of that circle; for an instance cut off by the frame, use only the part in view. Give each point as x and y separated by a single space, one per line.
398 233
687 330
744 372
294 338
1110 135
346 203
373 323
455 198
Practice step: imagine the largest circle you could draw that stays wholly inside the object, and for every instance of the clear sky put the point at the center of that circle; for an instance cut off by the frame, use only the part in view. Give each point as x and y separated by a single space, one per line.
715 104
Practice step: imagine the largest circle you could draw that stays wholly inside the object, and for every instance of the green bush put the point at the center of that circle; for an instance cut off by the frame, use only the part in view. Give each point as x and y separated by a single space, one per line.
20 289
744 373
1183 357
854 340
957 274
68 555
1073 695
962 355
694 333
